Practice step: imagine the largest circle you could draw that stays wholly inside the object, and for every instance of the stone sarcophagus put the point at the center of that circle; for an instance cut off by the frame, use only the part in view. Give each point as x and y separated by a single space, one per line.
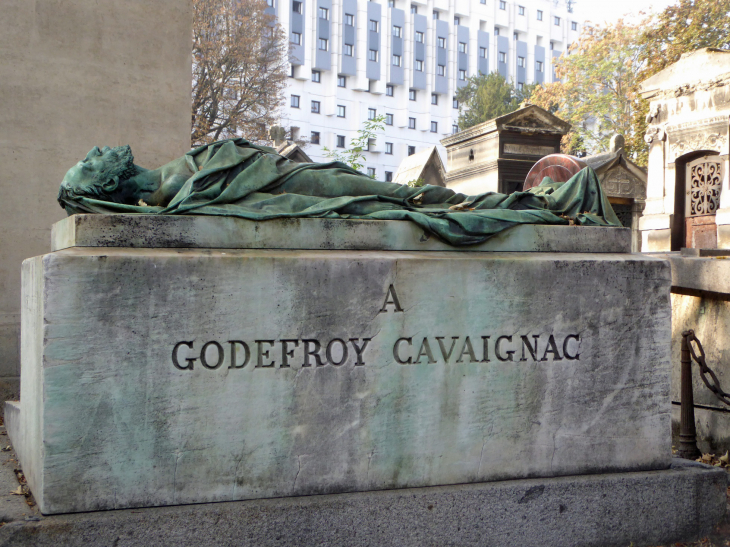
248 360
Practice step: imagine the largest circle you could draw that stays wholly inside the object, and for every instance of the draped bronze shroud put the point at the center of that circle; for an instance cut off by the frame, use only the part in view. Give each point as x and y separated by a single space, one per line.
239 179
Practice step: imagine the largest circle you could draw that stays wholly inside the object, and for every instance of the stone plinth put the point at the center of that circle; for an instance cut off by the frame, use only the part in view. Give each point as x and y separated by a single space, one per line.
171 376
151 231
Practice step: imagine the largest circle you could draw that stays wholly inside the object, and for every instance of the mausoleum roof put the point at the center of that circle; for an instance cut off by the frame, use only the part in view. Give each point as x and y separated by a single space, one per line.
706 65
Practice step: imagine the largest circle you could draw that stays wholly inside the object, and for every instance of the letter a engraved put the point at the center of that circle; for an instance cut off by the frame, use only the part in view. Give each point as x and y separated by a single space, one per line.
391 299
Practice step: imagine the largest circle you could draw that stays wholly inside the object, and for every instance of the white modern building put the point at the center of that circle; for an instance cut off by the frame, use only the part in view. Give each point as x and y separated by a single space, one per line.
405 59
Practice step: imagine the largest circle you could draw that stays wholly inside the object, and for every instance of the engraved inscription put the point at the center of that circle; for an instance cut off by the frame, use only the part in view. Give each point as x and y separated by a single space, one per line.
528 149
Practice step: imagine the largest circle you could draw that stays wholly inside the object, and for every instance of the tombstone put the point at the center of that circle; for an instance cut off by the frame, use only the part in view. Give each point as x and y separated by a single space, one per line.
497 155
277 134
425 166
688 202
184 359
625 185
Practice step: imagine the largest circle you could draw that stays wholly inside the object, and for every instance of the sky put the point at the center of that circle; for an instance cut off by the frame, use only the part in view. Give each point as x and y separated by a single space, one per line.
599 11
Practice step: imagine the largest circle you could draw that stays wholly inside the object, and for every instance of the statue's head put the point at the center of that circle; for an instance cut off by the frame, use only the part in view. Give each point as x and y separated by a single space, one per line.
99 175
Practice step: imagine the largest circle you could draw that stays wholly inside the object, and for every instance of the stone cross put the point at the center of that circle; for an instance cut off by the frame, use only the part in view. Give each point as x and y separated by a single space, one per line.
277 134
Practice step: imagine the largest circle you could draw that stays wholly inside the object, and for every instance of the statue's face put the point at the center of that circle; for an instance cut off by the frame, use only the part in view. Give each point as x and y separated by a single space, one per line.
98 175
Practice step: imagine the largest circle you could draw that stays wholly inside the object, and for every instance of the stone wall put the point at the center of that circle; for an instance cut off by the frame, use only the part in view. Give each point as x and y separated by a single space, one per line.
708 314
73 75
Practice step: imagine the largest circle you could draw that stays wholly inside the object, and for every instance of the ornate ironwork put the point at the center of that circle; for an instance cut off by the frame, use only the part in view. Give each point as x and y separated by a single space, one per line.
705 185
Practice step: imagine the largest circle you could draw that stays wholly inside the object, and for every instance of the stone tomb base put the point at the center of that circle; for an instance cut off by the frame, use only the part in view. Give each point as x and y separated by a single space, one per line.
171 376
616 510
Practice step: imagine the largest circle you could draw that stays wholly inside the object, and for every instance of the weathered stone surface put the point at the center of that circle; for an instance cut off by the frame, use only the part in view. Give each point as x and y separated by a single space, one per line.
108 420
613 510
149 231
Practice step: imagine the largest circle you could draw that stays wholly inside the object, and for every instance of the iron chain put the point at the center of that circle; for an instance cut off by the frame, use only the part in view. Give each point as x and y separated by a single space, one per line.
713 384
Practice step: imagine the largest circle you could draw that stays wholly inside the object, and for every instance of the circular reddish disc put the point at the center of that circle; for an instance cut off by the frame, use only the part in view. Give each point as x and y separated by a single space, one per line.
559 167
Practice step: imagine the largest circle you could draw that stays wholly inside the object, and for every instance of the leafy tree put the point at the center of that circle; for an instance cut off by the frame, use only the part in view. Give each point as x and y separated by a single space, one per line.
598 91
681 28
354 156
487 96
240 61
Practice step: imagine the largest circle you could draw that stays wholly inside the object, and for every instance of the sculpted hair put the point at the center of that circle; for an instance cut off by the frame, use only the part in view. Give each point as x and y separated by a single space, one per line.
118 166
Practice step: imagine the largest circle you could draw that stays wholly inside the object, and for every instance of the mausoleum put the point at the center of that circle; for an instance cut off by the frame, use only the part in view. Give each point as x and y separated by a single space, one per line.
688 201
496 155
624 183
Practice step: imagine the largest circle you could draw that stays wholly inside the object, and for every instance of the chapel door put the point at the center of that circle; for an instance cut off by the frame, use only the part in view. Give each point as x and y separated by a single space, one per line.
704 183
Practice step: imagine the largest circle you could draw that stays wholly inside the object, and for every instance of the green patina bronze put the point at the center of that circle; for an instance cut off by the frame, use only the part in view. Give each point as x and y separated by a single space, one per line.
237 178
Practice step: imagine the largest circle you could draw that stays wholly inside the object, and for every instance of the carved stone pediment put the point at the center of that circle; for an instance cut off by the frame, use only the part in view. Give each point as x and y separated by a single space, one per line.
533 120
619 182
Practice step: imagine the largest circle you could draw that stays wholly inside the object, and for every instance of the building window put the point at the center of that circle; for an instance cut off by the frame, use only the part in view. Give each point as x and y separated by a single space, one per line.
373 55
411 124
539 15
341 81
296 7
454 129
483 52
552 46
323 44
296 38
538 66
315 107
520 86
371 172
482 1
396 60
414 8
455 103
462 47
340 141
457 20
348 50
434 127
389 119
397 31
419 65
419 37
521 62
411 149
388 90
573 25
462 75
389 148
520 10
516 36
292 69
316 76
391 3
557 21
350 19
496 31
434 98
314 139
441 70
340 111
373 26
324 13
502 4
295 101
502 57
372 113
389 176
412 94
270 3
435 15
442 42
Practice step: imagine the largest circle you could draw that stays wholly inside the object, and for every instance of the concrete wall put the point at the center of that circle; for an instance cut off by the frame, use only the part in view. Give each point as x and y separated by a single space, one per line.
76 74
